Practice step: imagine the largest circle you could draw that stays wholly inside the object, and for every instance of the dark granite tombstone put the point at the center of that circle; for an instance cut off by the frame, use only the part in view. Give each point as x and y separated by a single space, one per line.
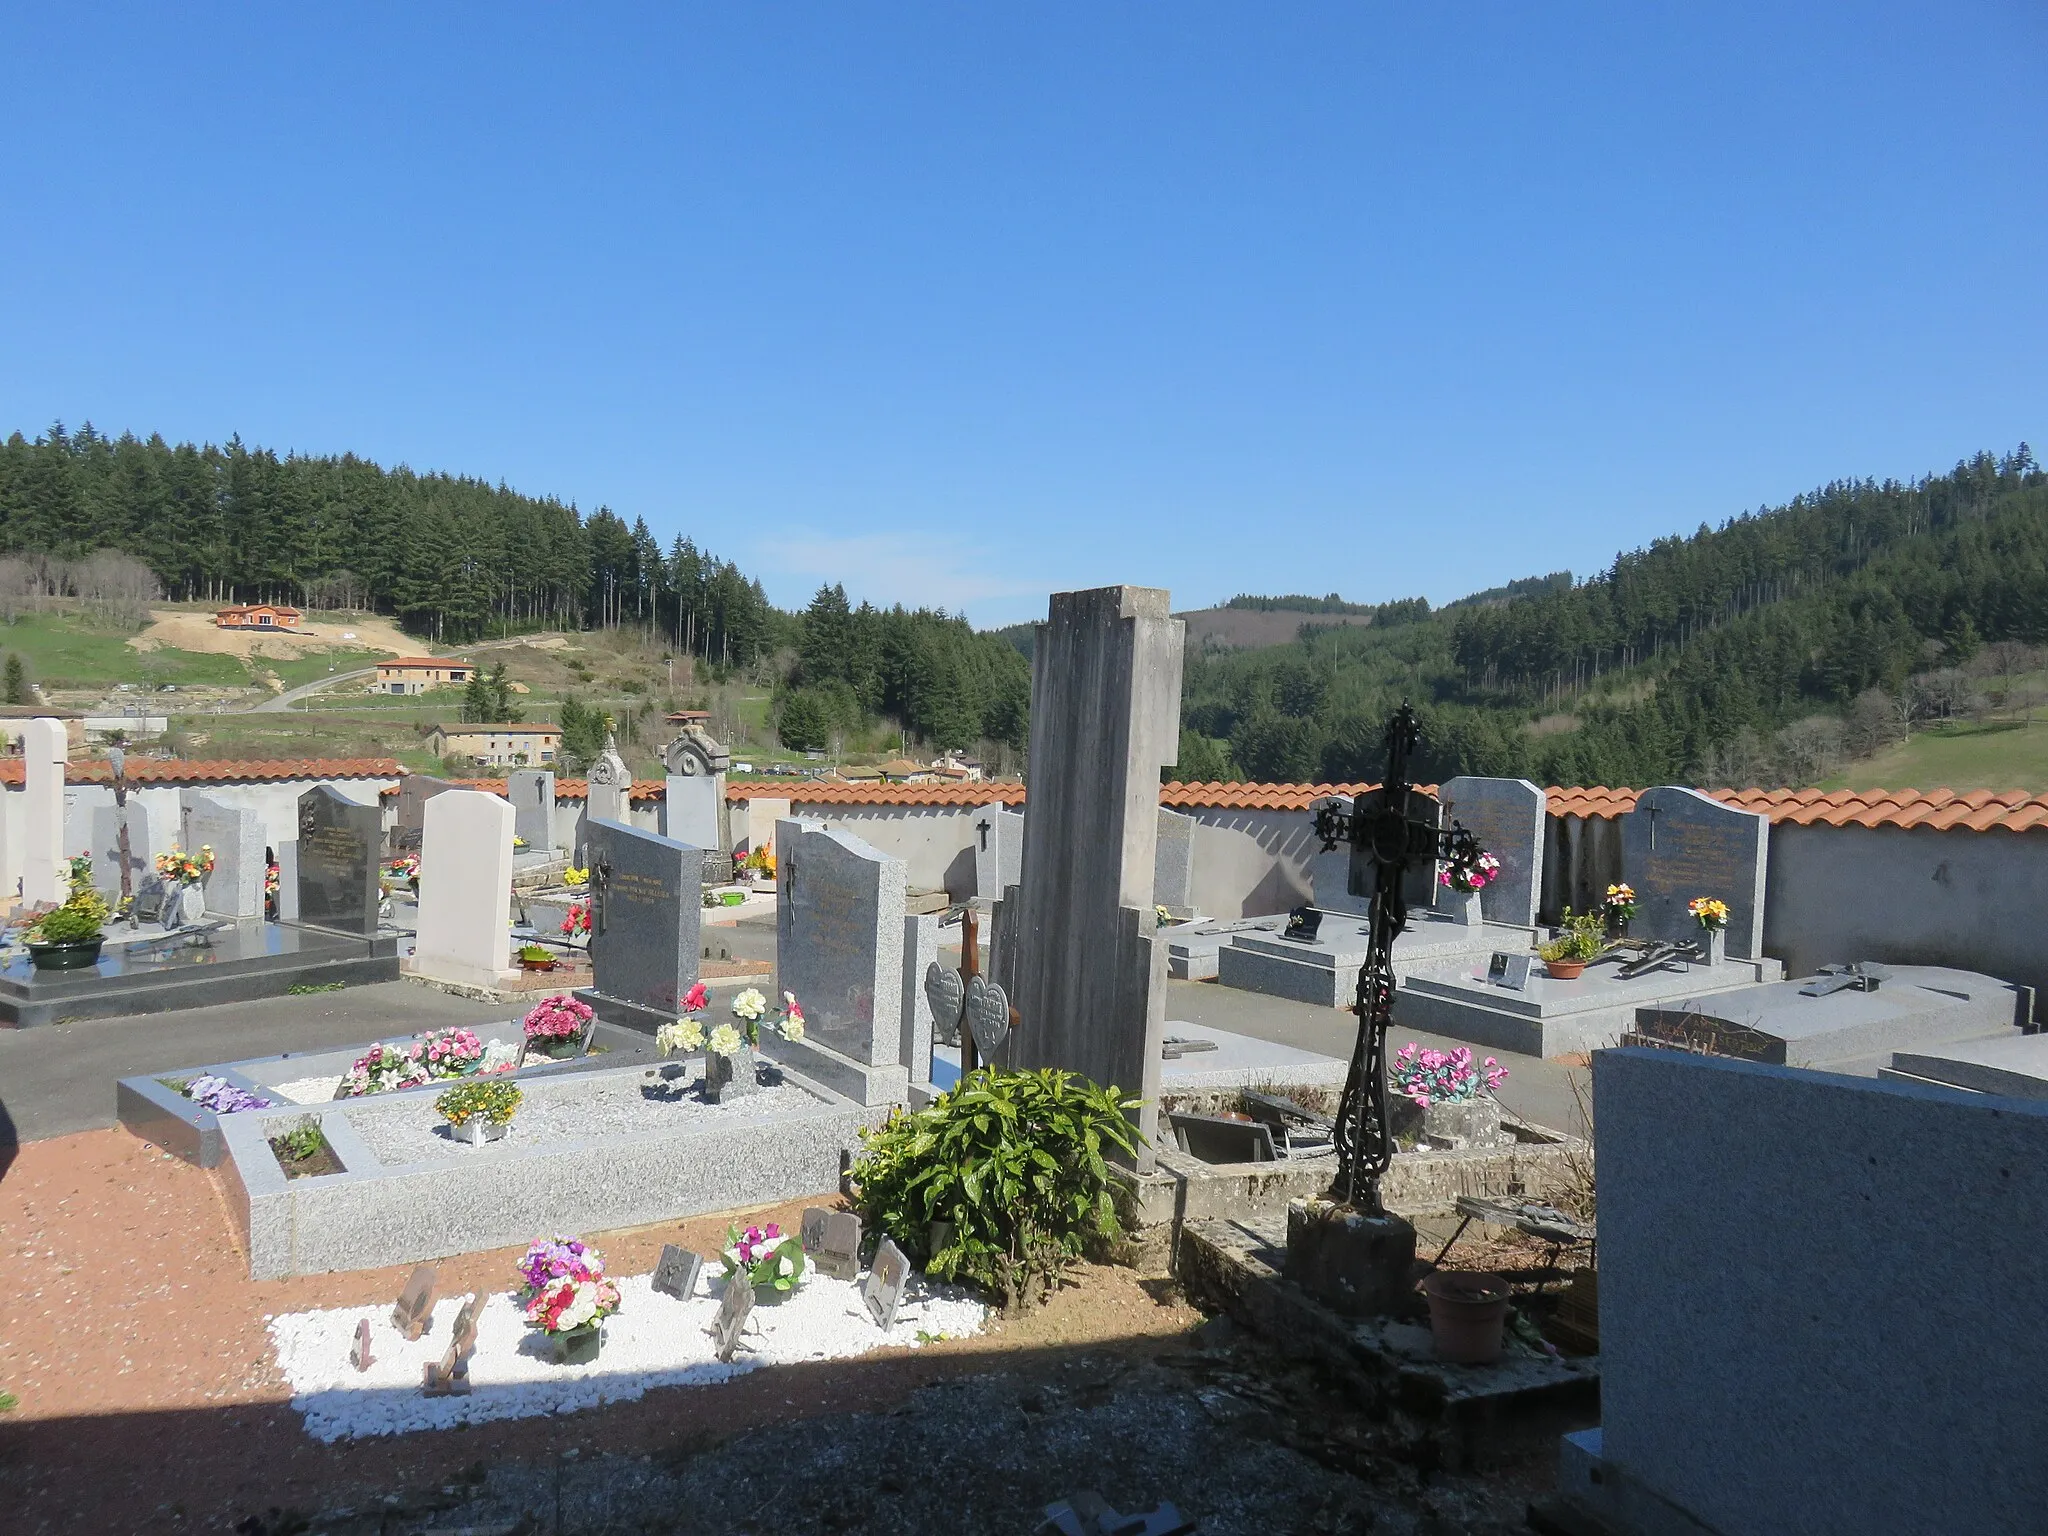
413 1314
1678 844
646 905
414 791
734 1308
676 1274
337 858
832 1242
882 1290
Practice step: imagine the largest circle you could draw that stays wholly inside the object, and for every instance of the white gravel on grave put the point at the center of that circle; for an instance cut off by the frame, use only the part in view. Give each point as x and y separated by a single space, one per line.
582 1108
653 1340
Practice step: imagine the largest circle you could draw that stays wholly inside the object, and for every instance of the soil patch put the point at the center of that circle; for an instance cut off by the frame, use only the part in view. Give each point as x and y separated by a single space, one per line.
185 629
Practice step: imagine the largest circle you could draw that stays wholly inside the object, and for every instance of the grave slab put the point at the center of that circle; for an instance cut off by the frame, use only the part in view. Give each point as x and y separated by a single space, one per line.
1556 1018
1192 948
646 915
2013 1065
1325 971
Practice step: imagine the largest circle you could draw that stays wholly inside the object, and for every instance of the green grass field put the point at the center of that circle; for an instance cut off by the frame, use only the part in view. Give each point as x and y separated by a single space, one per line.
2002 754
301 670
61 651
286 734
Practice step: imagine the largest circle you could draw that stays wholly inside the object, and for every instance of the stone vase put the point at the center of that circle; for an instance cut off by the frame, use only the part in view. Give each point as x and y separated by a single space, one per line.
479 1132
191 904
1465 908
731 1077
1714 944
1459 1125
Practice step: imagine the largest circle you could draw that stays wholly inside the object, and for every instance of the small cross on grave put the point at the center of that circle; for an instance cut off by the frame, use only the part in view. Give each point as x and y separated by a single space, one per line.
676 1274
360 1356
982 826
733 1310
832 1242
882 1290
449 1377
414 1313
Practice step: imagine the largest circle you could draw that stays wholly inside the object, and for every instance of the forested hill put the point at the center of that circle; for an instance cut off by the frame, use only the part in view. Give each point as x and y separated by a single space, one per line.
1741 652
453 557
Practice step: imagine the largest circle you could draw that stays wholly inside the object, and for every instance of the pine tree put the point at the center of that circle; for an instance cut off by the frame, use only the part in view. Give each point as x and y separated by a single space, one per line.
16 680
477 700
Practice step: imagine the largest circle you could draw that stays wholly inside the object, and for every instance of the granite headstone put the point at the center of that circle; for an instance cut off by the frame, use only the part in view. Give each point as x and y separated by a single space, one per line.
44 873
106 846
998 850
1507 816
1678 844
646 908
1173 863
690 813
337 878
414 791
235 834
920 954
831 1241
532 793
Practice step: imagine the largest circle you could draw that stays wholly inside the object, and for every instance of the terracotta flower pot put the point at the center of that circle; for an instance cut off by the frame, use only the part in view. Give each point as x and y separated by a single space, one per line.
544 963
1467 1315
1564 970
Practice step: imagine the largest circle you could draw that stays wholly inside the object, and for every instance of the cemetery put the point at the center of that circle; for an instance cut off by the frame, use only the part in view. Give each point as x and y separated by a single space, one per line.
1339 1206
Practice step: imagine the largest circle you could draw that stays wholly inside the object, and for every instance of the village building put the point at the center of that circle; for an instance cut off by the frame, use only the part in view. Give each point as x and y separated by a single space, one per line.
416 674
497 746
257 616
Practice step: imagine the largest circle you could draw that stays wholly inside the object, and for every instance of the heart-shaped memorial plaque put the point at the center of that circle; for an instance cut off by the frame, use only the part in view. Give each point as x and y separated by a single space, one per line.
988 1015
944 990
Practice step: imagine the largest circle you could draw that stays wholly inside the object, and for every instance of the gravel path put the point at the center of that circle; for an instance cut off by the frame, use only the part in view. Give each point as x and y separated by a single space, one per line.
590 1105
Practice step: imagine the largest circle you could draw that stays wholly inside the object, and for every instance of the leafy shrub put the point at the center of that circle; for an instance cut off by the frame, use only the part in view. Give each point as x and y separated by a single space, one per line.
1013 1161
302 1141
1578 938
68 925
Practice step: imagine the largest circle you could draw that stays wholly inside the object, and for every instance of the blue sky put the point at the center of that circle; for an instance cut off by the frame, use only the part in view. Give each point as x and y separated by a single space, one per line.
962 305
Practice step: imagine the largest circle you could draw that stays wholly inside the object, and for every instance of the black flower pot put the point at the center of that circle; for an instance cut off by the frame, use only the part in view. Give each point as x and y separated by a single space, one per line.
78 955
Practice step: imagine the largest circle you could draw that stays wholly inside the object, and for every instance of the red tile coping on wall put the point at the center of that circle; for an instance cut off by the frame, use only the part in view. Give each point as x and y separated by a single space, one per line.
183 770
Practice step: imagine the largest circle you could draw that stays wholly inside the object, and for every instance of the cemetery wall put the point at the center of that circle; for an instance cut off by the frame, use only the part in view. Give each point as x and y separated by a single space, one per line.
935 841
1812 1312
1912 895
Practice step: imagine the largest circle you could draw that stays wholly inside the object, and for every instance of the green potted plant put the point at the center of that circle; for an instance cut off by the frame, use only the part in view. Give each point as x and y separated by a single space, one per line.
480 1110
532 957
68 939
1579 942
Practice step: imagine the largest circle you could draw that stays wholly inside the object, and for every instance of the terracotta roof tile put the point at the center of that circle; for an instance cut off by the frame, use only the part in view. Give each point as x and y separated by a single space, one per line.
830 792
181 770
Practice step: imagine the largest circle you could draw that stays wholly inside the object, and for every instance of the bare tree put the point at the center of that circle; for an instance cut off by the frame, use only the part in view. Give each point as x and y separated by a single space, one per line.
1807 751
116 586
1872 723
17 583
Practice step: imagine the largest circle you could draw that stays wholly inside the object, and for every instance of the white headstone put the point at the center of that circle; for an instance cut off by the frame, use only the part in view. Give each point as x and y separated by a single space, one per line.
235 834
998 850
691 814
43 869
465 888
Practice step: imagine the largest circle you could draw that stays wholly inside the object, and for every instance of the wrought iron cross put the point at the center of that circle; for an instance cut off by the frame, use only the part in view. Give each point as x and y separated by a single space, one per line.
1386 837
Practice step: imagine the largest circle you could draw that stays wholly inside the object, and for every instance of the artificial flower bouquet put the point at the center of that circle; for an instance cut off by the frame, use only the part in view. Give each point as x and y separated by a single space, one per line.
565 1290
1709 912
576 925
1443 1077
771 1260
384 1069
1620 905
182 868
221 1096
749 1008
572 876
557 1023
1465 879
452 1053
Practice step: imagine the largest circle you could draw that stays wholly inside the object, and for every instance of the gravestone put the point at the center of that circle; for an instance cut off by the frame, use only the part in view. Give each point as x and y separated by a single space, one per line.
413 1314
831 1241
607 795
839 935
998 850
235 888
920 954
676 1274
690 810
414 791
288 881
44 872
1173 865
882 1290
1076 942
646 908
1330 877
465 902
335 883
532 793
1507 816
106 847
1678 844
734 1308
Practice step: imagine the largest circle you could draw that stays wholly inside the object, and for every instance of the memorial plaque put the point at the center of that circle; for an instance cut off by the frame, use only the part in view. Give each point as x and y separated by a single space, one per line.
676 1274
734 1307
360 1356
947 995
449 1377
1678 844
883 1288
1510 971
1303 923
1507 816
414 1313
151 897
337 875
988 1015
646 906
831 1241
839 938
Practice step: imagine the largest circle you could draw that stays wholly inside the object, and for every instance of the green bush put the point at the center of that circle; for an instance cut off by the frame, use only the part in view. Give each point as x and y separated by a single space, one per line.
68 925
1013 1161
